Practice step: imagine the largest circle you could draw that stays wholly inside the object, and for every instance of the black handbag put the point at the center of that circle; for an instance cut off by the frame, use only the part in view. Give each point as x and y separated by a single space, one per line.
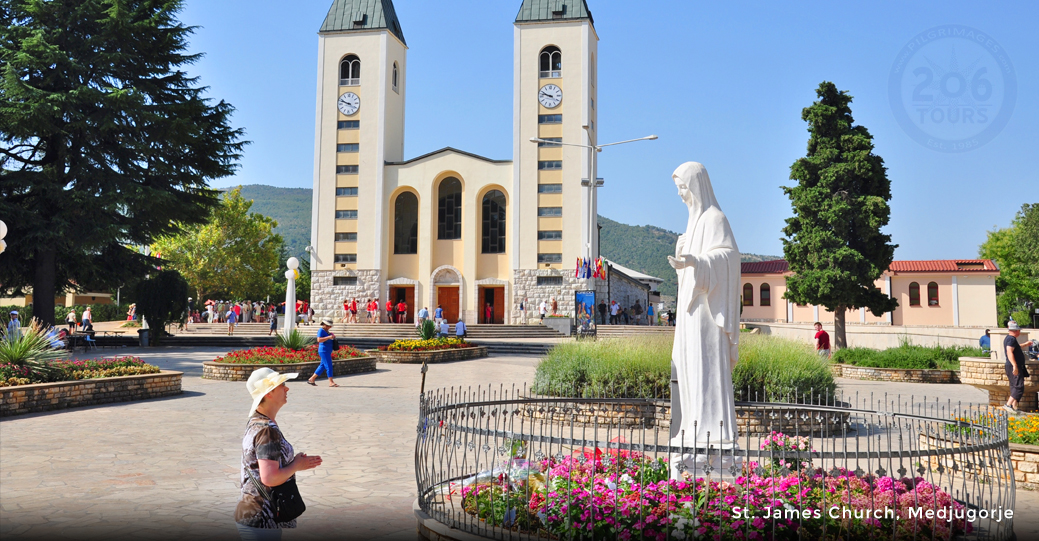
284 498
335 344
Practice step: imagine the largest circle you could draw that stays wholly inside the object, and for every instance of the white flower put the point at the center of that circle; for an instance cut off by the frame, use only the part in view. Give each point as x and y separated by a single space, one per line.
678 534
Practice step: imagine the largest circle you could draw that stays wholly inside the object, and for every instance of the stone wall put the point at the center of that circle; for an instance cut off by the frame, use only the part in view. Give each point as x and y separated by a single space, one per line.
240 372
525 285
878 336
1025 459
789 420
436 356
991 376
894 374
625 290
327 299
87 392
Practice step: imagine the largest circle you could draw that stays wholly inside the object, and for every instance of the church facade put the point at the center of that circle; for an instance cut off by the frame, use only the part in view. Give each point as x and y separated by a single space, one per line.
451 228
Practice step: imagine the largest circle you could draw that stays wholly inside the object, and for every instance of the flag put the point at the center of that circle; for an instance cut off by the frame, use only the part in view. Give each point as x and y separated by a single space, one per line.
577 271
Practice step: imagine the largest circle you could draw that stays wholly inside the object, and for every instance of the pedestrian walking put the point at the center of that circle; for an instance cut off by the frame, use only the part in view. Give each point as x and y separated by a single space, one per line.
615 310
232 321
272 314
423 315
268 460
324 352
602 312
14 327
391 311
822 341
1015 367
637 310
523 311
70 318
438 315
402 311
488 313
649 315
543 311
460 330
353 311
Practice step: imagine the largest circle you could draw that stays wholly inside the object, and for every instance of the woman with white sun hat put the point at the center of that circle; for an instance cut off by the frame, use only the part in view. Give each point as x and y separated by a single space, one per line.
267 458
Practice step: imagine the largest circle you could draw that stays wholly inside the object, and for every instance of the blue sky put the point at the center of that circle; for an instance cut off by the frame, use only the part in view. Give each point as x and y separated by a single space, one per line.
722 83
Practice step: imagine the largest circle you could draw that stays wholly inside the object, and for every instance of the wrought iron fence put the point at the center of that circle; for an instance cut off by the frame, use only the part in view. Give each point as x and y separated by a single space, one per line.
503 463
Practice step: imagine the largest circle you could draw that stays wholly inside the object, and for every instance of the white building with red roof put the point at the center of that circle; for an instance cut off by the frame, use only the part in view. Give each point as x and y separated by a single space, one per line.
945 292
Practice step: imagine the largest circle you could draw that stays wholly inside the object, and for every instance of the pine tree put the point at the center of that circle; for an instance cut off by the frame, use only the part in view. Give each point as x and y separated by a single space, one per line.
105 142
833 242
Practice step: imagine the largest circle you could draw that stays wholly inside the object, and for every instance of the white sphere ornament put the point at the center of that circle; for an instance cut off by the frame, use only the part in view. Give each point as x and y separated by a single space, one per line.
290 275
292 263
3 229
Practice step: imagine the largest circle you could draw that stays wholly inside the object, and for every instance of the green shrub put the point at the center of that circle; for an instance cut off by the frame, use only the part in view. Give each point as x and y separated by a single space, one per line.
428 330
641 368
907 356
296 341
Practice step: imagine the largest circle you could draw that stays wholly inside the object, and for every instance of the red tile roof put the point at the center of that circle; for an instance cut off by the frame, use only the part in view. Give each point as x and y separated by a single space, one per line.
945 265
776 266
780 266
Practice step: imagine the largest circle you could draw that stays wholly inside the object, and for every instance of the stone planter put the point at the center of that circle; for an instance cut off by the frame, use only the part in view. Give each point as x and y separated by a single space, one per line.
894 374
561 324
1026 464
87 392
435 356
240 372
990 375
657 413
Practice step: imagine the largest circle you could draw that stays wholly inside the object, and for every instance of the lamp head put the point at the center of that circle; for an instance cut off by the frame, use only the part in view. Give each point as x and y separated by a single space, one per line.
651 137
292 263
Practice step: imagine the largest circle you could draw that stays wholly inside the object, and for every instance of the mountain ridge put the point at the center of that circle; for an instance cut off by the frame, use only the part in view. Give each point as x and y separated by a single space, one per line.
640 247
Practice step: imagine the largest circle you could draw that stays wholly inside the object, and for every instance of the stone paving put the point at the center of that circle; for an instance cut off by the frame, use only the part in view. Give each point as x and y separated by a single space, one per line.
168 468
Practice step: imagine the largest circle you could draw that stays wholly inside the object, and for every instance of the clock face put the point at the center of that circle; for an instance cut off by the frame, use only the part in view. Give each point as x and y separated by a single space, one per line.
550 96
349 103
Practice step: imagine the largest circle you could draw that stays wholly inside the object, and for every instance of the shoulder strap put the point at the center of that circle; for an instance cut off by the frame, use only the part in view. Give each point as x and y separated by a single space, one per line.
259 486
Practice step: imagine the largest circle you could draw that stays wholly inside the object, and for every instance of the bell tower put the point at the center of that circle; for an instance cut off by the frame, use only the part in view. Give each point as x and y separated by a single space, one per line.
359 126
554 99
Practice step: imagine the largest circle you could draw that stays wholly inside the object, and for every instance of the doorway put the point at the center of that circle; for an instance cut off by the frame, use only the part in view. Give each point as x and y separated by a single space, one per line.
406 294
447 298
494 296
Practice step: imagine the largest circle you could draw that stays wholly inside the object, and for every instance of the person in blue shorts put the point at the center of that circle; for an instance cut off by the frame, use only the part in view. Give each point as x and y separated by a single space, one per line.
324 352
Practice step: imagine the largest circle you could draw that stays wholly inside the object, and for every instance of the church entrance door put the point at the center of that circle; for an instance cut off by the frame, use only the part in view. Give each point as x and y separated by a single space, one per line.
406 294
495 296
447 298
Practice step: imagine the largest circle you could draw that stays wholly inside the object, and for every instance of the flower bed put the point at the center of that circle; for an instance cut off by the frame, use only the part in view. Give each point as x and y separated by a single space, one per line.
73 370
441 355
277 355
237 365
908 375
433 344
596 495
35 397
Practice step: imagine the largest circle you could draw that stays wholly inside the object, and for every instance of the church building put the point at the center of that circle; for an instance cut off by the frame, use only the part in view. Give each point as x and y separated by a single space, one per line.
452 228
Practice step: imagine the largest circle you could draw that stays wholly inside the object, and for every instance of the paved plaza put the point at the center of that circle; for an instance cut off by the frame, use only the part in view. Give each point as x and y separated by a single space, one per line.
168 468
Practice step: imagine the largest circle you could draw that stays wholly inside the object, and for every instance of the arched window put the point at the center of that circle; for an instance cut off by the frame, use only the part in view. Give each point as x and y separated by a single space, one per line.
914 294
748 295
932 294
405 224
551 62
766 295
449 209
395 77
494 223
350 71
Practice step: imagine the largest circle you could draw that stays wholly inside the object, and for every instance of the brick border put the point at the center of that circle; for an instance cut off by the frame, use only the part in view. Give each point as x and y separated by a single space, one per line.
907 375
240 372
37 397
435 356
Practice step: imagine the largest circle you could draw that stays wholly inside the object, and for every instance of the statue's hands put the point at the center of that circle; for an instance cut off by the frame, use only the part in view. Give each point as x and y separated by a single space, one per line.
681 262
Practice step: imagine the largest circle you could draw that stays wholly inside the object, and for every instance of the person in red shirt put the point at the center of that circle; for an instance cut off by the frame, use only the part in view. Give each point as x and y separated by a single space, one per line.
353 311
402 312
488 314
391 314
346 310
822 341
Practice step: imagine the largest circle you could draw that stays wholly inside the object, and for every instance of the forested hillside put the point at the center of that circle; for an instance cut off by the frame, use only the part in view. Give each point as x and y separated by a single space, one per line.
290 207
644 248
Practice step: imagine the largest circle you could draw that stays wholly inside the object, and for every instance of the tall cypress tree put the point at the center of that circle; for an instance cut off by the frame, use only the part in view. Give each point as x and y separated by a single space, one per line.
833 242
105 142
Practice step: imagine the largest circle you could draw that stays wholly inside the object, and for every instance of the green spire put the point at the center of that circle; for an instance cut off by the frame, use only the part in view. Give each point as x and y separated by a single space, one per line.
553 10
345 15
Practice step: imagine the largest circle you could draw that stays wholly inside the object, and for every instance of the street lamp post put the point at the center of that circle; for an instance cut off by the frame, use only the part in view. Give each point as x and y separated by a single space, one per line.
593 181
290 295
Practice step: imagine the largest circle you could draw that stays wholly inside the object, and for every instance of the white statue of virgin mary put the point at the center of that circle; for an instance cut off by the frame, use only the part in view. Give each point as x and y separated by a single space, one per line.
707 329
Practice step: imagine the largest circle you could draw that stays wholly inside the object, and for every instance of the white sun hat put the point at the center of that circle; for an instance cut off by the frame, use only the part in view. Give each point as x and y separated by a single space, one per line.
263 381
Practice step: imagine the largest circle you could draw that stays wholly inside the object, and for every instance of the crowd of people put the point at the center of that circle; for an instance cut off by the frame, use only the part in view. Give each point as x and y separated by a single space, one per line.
636 314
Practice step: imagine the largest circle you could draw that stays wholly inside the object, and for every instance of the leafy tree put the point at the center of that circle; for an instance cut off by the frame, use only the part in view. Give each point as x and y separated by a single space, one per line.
162 300
105 142
234 254
1016 250
833 242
